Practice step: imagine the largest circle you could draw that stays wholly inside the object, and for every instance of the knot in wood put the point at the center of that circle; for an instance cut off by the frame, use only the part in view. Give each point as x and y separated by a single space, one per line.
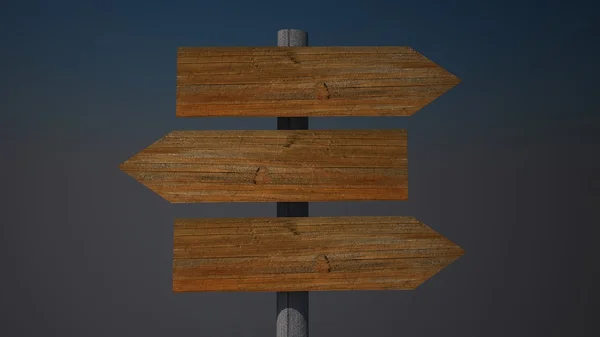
322 264
261 177
322 91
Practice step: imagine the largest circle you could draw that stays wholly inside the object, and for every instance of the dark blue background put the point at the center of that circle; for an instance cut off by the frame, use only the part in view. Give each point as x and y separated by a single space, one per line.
505 165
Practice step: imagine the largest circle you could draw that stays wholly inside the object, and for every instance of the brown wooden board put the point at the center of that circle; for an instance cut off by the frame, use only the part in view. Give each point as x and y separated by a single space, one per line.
301 254
275 165
306 81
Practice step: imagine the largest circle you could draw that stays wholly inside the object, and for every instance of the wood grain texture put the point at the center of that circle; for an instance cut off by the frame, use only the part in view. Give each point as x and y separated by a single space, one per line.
275 165
301 254
306 81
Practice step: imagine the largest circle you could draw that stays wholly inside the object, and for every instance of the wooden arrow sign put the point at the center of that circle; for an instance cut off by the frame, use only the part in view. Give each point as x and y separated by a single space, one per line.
275 166
306 81
301 254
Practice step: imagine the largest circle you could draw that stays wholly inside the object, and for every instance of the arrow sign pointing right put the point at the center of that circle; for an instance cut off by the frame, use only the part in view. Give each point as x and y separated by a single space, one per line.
302 254
306 81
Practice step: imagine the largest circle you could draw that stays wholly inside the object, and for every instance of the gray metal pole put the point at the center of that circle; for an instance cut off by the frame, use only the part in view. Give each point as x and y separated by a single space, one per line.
292 307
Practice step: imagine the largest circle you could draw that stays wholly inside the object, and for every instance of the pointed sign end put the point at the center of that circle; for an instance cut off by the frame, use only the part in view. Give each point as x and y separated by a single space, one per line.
459 252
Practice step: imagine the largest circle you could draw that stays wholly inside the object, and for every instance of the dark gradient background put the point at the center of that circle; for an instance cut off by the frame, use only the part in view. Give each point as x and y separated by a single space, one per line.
505 165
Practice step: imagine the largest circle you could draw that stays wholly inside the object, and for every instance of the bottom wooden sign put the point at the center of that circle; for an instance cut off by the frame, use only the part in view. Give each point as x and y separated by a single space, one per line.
312 253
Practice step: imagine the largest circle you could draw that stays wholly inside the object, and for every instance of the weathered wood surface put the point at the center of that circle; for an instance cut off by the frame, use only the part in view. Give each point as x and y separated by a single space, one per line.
275 165
301 254
306 81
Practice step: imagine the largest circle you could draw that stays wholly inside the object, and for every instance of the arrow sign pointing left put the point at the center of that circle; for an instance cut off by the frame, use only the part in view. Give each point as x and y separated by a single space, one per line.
275 165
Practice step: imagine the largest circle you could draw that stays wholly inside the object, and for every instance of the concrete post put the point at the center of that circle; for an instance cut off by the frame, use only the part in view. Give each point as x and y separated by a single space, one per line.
292 307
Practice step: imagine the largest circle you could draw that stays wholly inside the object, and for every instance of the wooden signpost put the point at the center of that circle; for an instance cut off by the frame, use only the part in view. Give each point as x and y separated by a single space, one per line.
314 253
277 165
293 253
306 81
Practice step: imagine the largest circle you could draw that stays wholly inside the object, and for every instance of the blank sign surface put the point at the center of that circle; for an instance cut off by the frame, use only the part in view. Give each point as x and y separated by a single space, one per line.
306 81
275 166
301 254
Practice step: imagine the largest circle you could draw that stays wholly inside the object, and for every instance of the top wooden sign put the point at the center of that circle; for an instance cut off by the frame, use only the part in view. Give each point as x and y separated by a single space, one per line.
306 81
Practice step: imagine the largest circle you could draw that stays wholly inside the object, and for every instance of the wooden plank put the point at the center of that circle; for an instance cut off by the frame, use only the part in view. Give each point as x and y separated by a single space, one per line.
301 254
306 81
275 165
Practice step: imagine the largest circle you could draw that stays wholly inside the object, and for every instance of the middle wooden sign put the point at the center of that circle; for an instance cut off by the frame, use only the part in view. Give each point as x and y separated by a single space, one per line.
275 166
